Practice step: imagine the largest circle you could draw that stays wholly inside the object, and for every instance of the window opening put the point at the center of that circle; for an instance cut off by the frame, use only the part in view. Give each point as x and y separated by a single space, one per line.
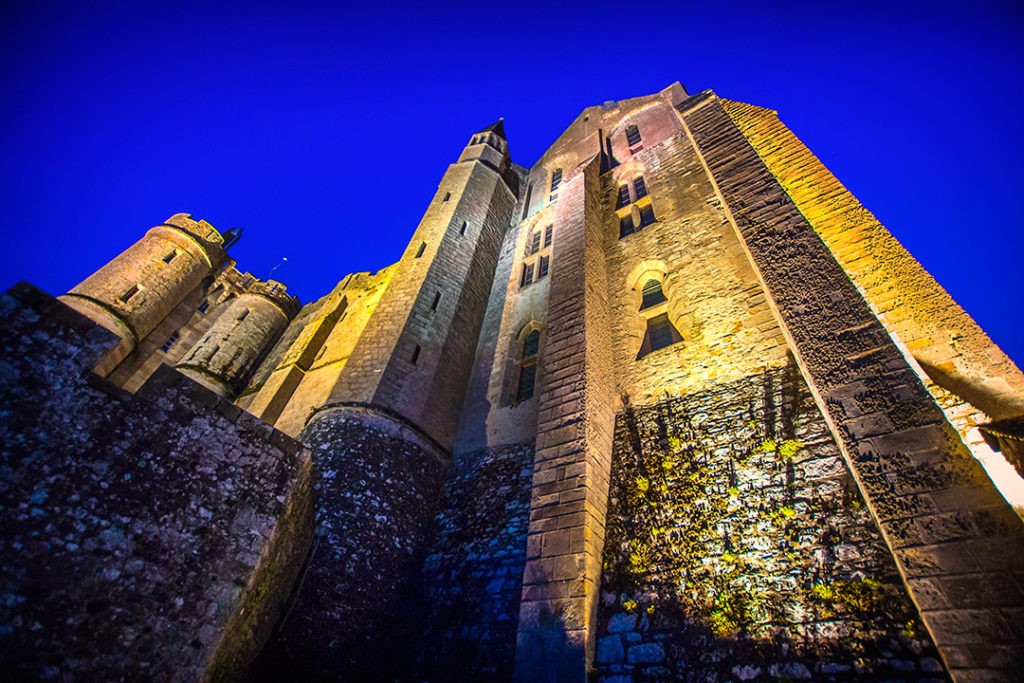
526 204
548 231
415 355
423 247
132 291
542 268
652 294
660 330
213 352
203 306
625 226
169 343
556 179
447 196
462 231
437 299
633 138
646 216
244 314
528 371
623 197
170 256
535 243
527 276
640 187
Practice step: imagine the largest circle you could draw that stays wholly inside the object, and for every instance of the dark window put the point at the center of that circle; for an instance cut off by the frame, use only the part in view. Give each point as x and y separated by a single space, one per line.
640 187
243 315
170 256
661 332
132 291
633 138
462 231
213 352
531 344
542 267
527 382
437 299
203 306
423 247
646 216
447 196
652 294
535 243
623 197
548 231
625 226
527 276
556 179
415 355
169 343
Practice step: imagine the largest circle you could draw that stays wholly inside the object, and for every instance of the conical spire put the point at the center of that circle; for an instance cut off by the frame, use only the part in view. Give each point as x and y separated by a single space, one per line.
497 128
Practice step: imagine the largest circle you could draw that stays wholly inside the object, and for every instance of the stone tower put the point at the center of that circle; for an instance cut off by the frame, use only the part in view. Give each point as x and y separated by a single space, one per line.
385 433
133 293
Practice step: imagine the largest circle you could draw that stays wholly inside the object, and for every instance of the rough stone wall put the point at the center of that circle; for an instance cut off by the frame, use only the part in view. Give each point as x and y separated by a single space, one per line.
153 536
942 337
950 530
739 548
378 484
472 577
575 422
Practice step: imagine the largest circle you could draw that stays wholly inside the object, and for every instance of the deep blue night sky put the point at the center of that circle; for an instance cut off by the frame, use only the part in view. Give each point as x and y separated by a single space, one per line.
323 131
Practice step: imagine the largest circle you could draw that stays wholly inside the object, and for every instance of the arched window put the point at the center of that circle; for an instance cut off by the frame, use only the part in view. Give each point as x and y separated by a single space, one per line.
652 294
528 366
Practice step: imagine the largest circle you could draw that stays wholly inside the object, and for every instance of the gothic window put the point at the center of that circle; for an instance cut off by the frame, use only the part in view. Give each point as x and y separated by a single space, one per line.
528 366
646 216
633 139
623 197
542 266
640 188
661 333
535 243
652 294
548 231
419 252
625 226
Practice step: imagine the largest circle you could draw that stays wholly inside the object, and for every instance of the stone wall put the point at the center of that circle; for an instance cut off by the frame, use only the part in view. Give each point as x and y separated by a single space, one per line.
739 549
472 577
153 536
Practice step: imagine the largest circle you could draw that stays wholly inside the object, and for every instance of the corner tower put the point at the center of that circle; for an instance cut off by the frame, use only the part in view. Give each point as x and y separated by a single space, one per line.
382 440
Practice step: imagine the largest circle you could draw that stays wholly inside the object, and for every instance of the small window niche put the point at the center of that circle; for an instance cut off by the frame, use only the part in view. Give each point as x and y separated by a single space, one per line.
414 358
130 293
170 256
419 252
462 230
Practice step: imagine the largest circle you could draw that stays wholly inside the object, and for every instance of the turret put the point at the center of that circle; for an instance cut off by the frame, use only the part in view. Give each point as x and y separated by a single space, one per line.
135 291
225 357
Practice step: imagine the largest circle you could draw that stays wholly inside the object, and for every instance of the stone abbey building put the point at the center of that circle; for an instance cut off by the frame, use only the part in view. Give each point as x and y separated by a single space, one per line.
669 405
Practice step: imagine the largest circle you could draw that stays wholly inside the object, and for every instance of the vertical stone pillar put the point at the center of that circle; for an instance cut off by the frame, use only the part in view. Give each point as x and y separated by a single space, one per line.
956 542
573 449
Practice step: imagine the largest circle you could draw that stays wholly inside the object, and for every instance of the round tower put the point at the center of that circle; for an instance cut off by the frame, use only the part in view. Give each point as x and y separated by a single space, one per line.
135 291
225 357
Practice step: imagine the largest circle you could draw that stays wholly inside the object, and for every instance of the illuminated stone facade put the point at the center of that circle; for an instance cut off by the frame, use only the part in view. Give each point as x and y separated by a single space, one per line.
668 405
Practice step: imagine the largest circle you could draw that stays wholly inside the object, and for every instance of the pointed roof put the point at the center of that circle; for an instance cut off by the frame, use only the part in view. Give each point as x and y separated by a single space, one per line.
497 128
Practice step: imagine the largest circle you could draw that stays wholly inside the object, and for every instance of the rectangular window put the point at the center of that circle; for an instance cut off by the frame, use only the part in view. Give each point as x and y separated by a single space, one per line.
419 252
548 232
244 314
625 226
542 268
132 291
463 230
527 276
437 299
623 197
556 179
633 138
646 216
170 256
169 343
640 187
203 306
415 355
535 243
527 381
